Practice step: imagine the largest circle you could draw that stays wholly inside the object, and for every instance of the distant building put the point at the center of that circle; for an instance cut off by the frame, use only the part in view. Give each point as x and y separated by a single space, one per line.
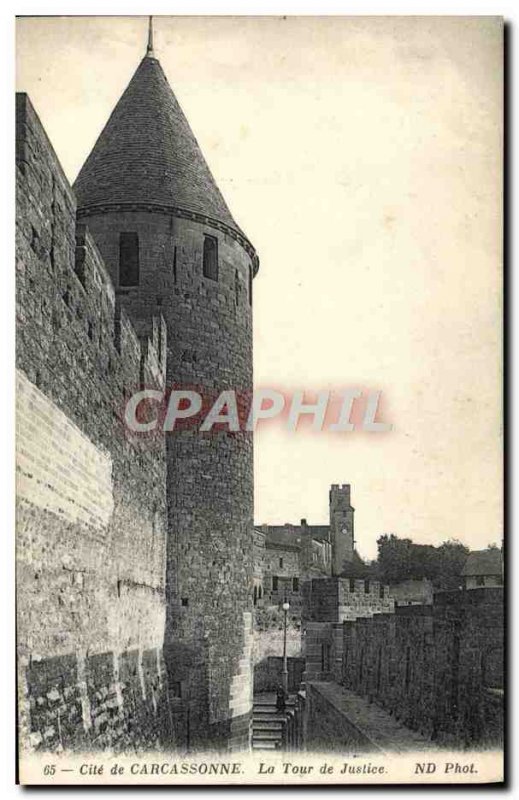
290 554
283 558
483 568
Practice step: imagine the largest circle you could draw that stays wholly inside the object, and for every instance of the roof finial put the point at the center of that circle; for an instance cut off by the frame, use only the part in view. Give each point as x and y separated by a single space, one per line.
149 49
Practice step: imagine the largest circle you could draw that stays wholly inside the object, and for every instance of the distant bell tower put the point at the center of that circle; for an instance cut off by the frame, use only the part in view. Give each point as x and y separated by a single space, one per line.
173 247
341 527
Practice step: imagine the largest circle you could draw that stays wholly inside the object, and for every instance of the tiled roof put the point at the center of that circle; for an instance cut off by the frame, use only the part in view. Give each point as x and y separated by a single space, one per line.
319 532
289 532
483 562
147 153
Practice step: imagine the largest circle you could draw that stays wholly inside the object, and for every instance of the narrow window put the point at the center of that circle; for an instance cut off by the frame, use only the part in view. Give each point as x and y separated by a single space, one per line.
250 285
128 259
274 583
325 657
281 562
295 584
185 602
211 257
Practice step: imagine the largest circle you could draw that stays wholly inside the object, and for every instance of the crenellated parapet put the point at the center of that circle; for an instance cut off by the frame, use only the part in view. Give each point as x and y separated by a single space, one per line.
339 599
64 291
437 668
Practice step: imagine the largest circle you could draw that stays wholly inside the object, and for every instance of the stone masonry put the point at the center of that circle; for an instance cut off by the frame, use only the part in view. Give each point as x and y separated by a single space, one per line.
91 506
437 669
135 553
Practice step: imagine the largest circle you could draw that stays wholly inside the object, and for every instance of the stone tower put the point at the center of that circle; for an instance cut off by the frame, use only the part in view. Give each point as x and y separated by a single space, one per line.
341 527
172 246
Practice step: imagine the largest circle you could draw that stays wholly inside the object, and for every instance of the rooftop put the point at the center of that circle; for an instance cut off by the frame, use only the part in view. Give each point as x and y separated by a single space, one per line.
147 153
484 562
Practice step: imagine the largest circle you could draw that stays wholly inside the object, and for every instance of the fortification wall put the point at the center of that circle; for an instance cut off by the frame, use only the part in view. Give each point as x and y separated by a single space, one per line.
338 720
339 599
91 510
438 669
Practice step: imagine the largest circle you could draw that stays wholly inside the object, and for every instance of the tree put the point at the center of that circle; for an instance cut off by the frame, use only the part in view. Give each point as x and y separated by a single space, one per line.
452 556
402 559
356 568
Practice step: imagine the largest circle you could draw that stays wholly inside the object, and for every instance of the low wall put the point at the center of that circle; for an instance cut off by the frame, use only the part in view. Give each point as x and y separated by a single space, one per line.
337 720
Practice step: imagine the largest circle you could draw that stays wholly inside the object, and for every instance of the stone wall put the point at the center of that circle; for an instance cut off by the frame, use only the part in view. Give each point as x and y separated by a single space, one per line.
282 577
323 649
337 720
311 540
91 510
438 669
339 599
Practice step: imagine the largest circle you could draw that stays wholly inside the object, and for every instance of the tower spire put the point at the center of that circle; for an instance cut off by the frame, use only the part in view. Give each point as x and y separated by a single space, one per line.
149 49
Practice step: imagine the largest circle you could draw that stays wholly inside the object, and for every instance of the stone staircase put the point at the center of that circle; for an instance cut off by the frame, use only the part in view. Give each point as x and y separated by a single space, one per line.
269 727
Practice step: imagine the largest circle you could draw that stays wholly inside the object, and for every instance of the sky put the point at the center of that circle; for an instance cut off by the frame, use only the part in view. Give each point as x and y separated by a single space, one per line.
362 156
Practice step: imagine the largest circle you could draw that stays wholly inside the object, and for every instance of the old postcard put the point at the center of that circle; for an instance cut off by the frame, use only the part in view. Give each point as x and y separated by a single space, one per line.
259 523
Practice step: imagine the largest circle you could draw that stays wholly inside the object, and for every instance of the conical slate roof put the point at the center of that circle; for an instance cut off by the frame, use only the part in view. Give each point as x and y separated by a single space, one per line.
148 154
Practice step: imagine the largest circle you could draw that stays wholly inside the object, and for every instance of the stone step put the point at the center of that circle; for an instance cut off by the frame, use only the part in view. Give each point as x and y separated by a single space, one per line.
270 736
278 721
267 724
272 711
264 746
258 702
